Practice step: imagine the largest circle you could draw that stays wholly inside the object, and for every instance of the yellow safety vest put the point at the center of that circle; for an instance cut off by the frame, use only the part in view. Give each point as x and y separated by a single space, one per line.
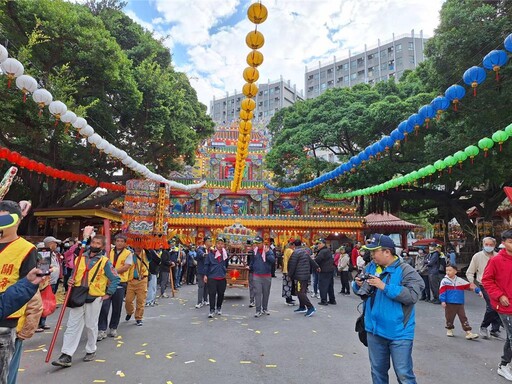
99 286
121 259
138 265
11 258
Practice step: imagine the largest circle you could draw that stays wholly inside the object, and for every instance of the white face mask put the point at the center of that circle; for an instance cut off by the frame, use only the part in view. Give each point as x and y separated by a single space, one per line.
488 249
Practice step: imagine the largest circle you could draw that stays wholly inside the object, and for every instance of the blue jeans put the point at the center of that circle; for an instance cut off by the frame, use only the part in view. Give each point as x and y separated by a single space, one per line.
15 362
381 350
315 282
151 290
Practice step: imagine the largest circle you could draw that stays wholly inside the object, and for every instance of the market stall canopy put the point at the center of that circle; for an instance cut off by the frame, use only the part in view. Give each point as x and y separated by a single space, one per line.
426 242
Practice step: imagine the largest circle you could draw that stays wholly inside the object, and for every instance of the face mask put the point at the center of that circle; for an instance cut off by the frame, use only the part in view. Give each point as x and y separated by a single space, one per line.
95 249
66 245
404 254
431 249
488 249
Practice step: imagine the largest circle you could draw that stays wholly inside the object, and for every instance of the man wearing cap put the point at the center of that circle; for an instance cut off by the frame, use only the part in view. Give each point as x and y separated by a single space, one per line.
434 277
215 268
261 267
325 261
17 258
202 253
122 260
391 290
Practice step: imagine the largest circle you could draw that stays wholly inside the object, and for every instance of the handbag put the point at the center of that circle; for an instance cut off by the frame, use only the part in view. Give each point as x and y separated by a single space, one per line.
49 301
79 294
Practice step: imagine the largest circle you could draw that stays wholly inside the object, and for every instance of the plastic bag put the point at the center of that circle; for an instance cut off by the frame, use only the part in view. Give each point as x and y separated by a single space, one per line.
49 301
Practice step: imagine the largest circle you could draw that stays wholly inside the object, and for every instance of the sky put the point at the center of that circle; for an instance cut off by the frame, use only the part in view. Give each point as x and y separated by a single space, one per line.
207 38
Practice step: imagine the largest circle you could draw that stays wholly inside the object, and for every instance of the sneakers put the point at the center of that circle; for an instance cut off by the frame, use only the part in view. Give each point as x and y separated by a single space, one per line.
484 332
199 305
449 333
112 332
139 323
90 356
313 295
252 304
128 317
210 315
101 335
471 336
65 361
291 303
323 303
495 333
317 295
165 296
219 312
301 310
332 302
266 312
258 314
310 312
504 371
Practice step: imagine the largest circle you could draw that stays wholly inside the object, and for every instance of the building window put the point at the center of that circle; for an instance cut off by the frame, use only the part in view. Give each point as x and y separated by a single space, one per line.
360 73
353 76
340 79
265 92
399 61
315 76
390 50
371 82
383 53
323 86
353 64
277 90
310 77
345 66
370 72
260 93
411 60
383 67
330 70
398 47
391 65
322 75
411 46
330 83
345 79
360 62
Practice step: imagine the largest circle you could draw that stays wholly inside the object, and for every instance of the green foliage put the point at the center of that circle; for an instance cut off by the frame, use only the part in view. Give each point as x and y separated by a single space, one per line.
107 69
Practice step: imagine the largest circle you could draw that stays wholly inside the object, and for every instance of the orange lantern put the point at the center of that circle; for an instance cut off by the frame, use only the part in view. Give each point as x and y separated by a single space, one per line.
255 40
254 58
250 90
245 125
257 13
248 104
246 115
251 75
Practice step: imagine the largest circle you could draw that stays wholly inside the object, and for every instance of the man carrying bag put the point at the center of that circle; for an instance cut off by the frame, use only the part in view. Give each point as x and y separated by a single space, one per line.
95 280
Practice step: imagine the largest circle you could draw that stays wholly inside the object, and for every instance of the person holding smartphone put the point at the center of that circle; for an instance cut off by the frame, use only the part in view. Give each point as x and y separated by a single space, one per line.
392 289
17 295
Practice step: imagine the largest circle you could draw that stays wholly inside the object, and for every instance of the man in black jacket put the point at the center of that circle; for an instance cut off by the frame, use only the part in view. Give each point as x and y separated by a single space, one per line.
325 261
299 270
165 270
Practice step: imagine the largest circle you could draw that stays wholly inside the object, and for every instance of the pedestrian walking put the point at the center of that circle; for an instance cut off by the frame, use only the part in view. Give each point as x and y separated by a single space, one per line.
391 290
451 295
154 269
288 290
215 276
202 291
434 276
325 261
477 267
166 264
261 267
299 270
137 287
344 270
192 265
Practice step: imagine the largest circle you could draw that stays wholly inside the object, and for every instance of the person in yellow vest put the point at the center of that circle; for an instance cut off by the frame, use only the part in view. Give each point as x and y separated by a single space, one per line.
17 258
96 271
288 290
137 285
122 260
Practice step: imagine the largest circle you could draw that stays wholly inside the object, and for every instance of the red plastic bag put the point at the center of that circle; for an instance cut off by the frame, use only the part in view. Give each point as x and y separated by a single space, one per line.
49 301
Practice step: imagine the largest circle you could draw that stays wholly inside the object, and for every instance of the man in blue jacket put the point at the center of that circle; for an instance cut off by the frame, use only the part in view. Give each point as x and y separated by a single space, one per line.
391 289
17 295
261 267
215 268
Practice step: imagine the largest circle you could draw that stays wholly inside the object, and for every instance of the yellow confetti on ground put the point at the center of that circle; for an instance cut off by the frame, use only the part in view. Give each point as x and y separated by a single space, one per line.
21 369
171 353
119 337
119 345
244 324
120 342
337 355
144 344
314 331
276 332
212 360
258 332
245 362
286 319
271 366
140 353
100 361
99 381
148 357
41 346
195 322
169 382
169 357
122 374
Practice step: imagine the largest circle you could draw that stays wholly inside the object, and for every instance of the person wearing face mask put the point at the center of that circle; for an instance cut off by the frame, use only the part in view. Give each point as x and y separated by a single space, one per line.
215 268
477 266
406 258
434 276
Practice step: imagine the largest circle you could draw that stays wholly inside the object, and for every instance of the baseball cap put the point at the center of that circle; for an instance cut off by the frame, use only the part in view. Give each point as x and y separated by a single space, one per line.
207 238
321 240
51 239
220 238
258 240
378 241
8 220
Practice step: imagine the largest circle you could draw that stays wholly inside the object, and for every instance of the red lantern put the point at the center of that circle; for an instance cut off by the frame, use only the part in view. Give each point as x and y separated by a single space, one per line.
4 152
13 157
32 165
235 274
24 162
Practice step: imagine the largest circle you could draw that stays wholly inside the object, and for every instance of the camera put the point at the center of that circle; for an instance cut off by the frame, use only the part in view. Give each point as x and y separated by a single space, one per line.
365 290
364 276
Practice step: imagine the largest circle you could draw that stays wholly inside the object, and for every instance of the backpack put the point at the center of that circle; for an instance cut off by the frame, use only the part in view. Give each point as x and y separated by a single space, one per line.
442 263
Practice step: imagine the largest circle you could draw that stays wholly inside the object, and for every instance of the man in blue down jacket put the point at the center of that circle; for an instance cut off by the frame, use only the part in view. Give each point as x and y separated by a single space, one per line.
392 290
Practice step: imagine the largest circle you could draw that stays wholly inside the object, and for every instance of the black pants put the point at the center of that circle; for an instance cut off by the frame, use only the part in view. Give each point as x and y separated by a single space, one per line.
326 286
273 270
191 274
302 294
117 305
216 289
426 291
435 281
345 284
491 317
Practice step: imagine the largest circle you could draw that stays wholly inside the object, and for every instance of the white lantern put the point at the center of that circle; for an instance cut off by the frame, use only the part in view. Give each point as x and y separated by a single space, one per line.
13 68
42 97
94 139
126 160
102 144
27 84
68 118
110 149
80 123
3 53
122 155
57 109
86 131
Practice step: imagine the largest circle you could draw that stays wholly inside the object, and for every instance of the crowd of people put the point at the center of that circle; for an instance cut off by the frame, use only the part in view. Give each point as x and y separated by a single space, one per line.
104 280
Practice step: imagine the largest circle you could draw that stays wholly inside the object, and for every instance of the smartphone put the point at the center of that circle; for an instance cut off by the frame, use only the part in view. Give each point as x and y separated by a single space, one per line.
44 259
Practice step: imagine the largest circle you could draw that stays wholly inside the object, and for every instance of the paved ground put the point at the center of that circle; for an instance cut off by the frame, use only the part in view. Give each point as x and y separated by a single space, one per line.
179 344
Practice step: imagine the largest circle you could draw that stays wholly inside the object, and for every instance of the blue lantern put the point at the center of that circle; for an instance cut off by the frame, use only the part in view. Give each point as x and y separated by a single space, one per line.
396 135
387 142
427 112
474 76
494 60
508 43
440 103
415 121
454 93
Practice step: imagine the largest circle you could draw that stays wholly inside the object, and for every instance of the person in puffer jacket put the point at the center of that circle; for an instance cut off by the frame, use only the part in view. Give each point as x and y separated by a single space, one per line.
451 294
392 288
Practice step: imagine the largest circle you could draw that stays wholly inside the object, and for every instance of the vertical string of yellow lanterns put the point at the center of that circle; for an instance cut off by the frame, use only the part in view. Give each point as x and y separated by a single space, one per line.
257 13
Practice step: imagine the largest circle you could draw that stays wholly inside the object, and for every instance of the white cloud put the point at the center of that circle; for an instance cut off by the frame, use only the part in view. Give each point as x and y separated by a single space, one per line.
158 32
297 33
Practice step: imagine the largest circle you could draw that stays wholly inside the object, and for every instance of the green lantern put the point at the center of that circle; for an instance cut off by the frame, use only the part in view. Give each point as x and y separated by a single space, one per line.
471 151
430 169
508 129
415 175
460 156
440 165
485 144
450 162
500 137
